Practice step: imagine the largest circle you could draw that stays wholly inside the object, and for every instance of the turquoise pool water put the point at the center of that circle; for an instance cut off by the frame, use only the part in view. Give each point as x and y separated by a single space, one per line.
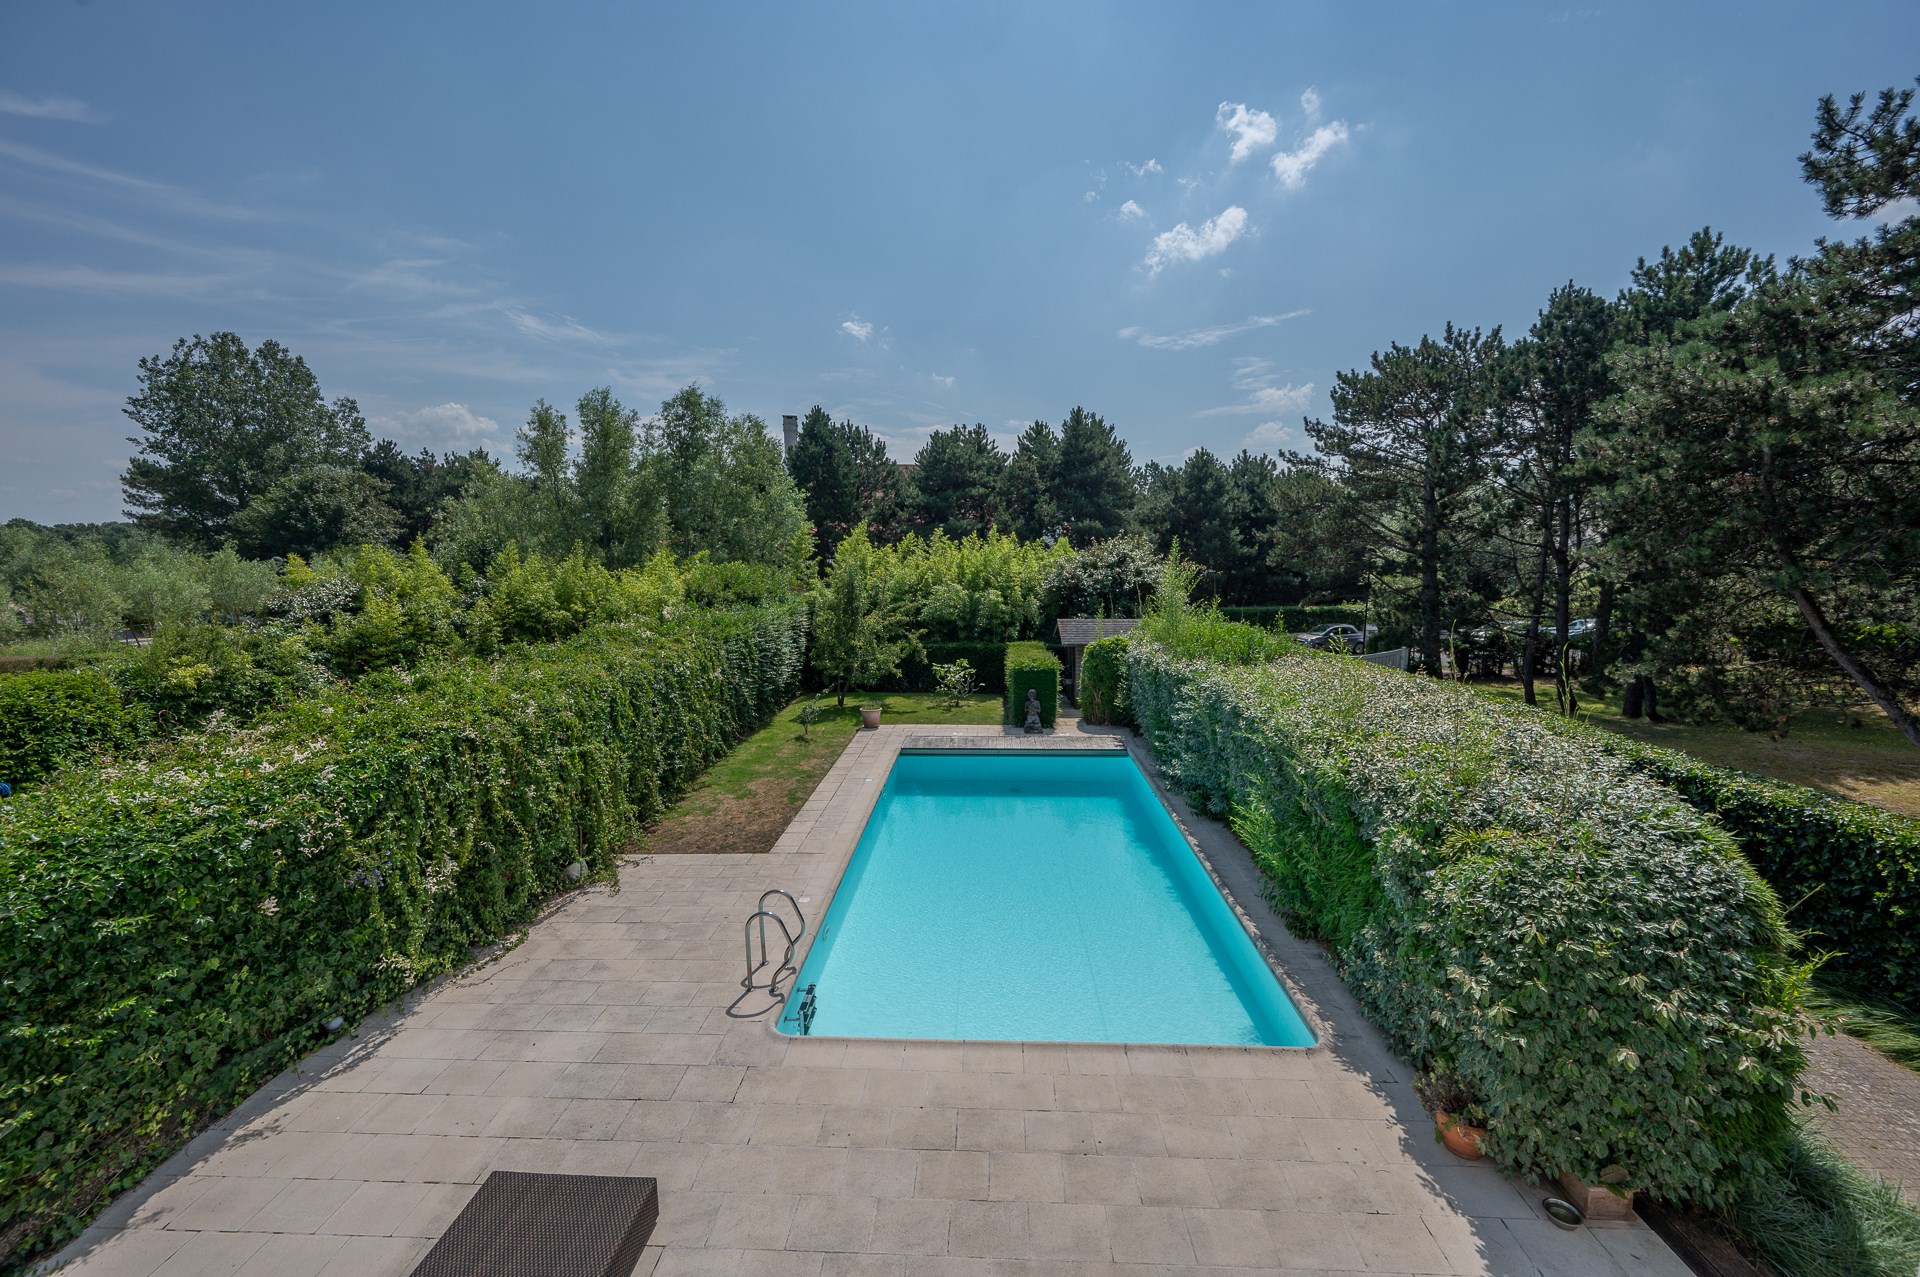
1031 896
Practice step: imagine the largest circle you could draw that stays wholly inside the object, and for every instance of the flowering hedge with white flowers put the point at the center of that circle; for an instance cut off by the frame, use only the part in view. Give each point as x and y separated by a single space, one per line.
177 927
1511 902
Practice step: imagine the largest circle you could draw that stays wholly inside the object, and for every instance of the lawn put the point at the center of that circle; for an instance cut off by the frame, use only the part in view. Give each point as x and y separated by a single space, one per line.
747 798
1854 753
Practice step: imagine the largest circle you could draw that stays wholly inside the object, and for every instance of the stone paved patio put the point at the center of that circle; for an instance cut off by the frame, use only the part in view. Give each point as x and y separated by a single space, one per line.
601 1045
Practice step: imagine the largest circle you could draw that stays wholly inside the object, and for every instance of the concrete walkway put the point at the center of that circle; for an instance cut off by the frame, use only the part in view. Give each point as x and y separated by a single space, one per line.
1877 1123
602 1045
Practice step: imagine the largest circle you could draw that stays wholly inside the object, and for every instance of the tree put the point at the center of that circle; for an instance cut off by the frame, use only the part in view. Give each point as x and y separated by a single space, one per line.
618 509
1411 440
419 486
956 479
1027 503
1644 606
220 425
1190 506
859 630
315 509
823 468
1095 485
1115 577
1253 523
722 484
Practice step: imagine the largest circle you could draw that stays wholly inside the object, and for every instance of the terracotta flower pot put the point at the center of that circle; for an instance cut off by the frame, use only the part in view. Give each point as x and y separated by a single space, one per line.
1461 1140
870 715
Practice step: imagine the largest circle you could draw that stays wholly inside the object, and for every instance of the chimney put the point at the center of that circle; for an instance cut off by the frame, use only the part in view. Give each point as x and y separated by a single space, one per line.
790 430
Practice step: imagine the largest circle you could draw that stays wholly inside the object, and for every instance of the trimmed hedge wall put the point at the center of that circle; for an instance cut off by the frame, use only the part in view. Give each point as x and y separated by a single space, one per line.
1512 904
49 718
1031 665
178 928
1103 681
1849 872
916 671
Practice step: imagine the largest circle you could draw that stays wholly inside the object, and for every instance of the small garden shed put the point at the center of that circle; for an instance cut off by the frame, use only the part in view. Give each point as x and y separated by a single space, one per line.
1078 631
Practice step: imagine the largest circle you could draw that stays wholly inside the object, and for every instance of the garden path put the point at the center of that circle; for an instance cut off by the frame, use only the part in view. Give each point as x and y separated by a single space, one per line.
602 1045
1877 1124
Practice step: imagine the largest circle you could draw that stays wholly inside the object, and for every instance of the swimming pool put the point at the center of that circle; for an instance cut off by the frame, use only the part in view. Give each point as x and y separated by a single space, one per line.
1026 895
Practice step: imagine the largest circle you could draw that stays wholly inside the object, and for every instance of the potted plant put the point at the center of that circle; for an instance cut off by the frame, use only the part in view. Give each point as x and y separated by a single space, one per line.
1459 1119
870 715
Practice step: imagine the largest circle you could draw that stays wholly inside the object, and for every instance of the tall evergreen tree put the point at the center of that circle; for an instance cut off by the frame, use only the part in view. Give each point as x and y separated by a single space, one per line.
957 477
824 469
1411 438
1096 485
1253 521
1029 507
1190 504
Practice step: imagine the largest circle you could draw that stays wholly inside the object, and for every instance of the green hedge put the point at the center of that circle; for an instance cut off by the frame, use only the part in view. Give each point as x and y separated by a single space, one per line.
1511 903
178 928
1849 872
1031 665
49 718
1103 681
916 670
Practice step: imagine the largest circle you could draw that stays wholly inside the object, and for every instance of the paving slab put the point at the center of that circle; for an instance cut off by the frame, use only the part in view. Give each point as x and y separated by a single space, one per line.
602 1045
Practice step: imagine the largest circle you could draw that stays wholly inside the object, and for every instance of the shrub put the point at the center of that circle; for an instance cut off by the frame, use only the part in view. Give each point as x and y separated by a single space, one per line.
1298 618
178 928
956 681
1512 904
50 718
1031 665
1103 681
916 668
1850 872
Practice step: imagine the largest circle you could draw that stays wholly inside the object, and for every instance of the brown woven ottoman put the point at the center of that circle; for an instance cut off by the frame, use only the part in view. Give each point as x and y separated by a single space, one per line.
521 1225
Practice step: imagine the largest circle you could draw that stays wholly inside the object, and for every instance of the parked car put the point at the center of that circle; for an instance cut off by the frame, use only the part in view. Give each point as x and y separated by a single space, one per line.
1335 638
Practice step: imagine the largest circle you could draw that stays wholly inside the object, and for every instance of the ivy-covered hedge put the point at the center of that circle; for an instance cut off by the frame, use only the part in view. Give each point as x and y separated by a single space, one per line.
1850 873
49 718
1511 903
1031 665
177 928
1103 681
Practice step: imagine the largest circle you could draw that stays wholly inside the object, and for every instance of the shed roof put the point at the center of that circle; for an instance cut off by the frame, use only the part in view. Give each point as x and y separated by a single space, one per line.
1078 631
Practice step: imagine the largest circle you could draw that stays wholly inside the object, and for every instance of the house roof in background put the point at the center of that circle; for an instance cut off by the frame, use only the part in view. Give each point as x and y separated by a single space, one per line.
1078 631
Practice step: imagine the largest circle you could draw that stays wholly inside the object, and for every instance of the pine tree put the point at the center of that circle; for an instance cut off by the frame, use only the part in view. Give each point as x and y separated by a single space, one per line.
1028 505
1096 485
957 477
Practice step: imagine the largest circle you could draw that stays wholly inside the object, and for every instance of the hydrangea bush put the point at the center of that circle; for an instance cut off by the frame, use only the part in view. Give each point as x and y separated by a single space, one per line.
1512 904
178 927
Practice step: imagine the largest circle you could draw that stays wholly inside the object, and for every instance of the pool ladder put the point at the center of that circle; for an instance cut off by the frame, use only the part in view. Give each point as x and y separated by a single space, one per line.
790 937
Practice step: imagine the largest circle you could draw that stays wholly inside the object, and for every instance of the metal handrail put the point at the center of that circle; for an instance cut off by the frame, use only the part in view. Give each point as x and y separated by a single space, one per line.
785 967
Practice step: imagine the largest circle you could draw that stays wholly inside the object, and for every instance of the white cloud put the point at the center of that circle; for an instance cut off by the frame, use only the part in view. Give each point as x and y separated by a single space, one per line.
1091 196
559 328
1252 130
1185 244
1310 103
1206 336
1141 170
945 383
1255 376
39 108
1287 398
1897 210
90 279
1269 436
1292 167
858 329
446 422
1130 210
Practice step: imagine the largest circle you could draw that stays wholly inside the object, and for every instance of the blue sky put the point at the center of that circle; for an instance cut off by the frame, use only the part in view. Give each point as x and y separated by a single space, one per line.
1187 218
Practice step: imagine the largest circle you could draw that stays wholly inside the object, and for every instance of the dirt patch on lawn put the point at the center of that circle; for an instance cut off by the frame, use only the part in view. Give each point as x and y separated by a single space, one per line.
732 825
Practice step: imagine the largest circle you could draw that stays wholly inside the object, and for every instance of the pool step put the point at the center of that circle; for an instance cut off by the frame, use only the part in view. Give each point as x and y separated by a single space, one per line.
782 969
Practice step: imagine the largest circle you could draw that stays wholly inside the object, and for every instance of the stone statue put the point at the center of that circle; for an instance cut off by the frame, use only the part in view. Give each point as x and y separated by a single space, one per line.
1033 711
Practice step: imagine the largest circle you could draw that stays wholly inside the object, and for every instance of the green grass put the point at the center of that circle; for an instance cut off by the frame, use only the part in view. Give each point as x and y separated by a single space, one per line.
746 799
1886 1028
1820 1216
1853 753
